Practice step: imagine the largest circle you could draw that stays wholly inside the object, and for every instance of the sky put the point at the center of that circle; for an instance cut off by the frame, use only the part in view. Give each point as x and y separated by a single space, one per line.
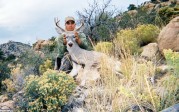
27 21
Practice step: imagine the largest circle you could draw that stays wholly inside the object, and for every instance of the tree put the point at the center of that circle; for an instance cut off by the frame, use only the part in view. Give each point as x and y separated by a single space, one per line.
99 20
1 55
131 7
141 16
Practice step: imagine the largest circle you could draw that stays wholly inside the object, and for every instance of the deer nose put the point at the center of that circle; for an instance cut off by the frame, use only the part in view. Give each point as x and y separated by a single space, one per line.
70 44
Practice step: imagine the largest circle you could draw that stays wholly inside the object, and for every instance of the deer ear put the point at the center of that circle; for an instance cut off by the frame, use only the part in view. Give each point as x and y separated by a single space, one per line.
60 30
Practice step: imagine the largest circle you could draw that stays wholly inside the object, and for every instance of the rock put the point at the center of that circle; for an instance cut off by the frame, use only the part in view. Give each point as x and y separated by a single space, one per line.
41 43
77 100
160 72
157 6
163 69
149 5
3 98
132 12
7 106
18 95
169 36
163 4
174 108
150 51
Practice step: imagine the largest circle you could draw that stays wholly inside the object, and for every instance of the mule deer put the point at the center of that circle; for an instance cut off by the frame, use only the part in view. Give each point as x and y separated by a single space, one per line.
81 58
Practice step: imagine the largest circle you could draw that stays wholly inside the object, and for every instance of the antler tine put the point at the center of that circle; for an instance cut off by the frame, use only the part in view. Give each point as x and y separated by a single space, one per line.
56 21
57 24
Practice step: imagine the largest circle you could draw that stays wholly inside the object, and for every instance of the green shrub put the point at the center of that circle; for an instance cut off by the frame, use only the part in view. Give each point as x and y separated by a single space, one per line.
142 16
167 13
4 70
105 47
48 92
172 59
30 61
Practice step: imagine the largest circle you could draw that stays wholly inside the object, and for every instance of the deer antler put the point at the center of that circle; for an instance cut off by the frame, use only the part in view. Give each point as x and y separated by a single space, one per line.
57 24
82 24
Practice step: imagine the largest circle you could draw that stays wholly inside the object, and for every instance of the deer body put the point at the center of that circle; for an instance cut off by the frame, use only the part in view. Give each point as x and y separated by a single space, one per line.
79 56
82 56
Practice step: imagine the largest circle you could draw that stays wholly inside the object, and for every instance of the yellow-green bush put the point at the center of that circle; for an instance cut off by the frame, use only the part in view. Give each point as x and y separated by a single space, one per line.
10 86
48 92
15 82
131 39
146 34
172 59
46 65
126 40
105 47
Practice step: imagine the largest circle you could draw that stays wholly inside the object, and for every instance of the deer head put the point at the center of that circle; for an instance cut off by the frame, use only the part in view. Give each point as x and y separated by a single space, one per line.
70 37
60 30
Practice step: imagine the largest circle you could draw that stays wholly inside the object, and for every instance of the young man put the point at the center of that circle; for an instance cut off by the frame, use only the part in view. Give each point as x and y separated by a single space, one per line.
63 60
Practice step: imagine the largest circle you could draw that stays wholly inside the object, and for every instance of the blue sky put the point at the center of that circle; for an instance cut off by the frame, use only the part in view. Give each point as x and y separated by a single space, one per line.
30 20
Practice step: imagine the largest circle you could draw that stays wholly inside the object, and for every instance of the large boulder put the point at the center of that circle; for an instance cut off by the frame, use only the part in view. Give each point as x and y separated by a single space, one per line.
169 36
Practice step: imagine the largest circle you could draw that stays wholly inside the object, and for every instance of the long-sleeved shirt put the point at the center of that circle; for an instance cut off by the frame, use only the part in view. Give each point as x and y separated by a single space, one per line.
62 48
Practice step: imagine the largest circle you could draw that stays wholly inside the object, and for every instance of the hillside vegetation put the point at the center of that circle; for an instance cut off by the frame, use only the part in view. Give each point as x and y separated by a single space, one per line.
142 86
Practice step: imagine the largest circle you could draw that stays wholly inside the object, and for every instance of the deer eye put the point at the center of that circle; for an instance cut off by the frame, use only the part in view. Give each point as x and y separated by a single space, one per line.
74 37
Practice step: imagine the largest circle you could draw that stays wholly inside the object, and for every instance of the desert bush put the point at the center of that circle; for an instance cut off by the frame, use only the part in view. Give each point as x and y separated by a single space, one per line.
10 86
126 39
15 82
105 47
31 61
48 92
46 65
170 93
132 39
146 34
172 59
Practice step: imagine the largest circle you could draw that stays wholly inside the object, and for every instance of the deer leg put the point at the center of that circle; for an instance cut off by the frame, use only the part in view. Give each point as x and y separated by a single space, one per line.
57 63
75 69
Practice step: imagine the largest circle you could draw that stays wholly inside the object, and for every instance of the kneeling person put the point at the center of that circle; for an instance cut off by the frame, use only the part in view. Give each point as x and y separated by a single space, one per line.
63 60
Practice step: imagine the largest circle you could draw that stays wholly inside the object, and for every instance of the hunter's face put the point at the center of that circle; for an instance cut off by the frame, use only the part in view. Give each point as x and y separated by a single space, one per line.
70 25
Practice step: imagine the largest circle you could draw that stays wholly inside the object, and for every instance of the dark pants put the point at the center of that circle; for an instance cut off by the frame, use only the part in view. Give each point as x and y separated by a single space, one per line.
64 64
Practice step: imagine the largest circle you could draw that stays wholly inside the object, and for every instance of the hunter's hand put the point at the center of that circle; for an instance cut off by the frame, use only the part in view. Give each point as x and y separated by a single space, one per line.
64 40
78 40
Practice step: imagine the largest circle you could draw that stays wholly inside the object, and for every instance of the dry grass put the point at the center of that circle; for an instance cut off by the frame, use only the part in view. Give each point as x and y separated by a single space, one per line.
113 93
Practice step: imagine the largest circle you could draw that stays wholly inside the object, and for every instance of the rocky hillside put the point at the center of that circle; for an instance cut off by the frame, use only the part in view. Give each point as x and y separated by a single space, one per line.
14 48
